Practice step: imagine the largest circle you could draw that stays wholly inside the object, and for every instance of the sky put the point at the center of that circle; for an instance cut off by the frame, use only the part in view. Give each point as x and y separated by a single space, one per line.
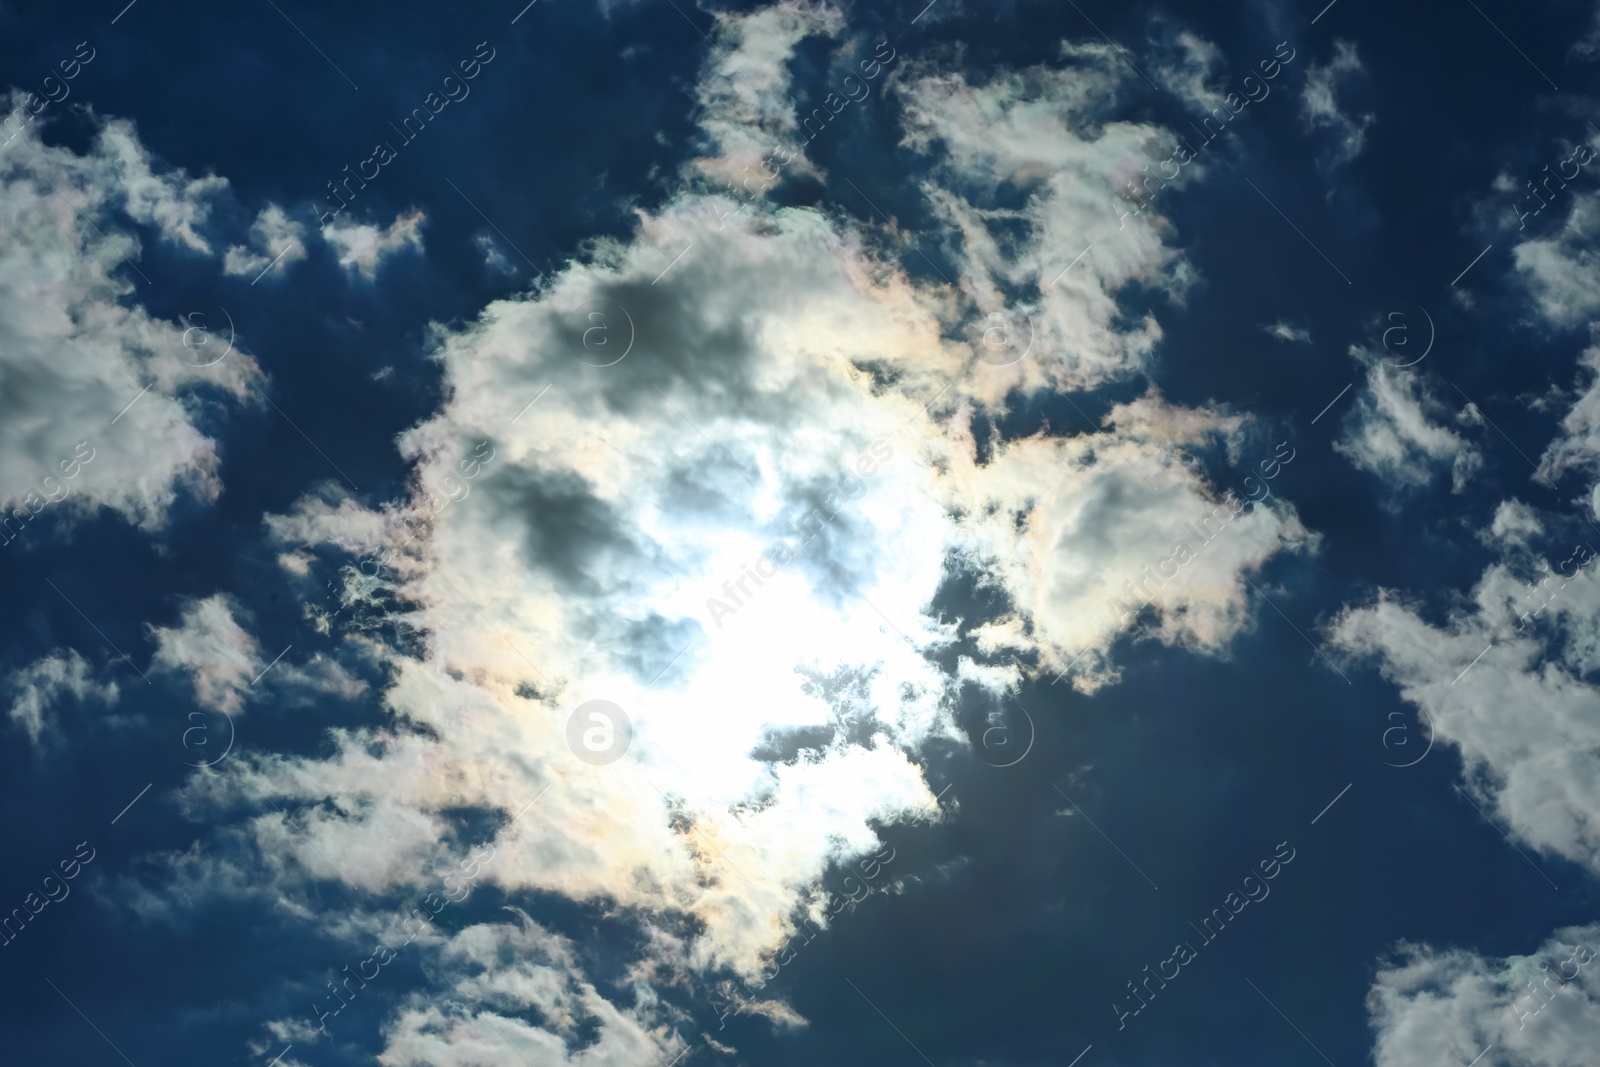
643 533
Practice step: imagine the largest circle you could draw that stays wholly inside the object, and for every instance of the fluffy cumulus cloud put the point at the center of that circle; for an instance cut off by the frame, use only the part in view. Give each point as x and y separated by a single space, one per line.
1090 534
1535 631
700 499
37 687
99 399
1539 1010
362 247
601 544
1397 429
715 474
1319 106
1514 523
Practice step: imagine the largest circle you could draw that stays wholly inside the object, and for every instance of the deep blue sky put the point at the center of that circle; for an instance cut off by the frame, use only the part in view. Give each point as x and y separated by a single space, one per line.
1018 926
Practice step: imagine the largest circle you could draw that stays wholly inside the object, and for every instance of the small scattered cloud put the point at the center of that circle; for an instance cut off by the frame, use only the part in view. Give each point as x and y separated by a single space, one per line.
747 105
1319 105
494 259
1397 430
38 686
275 242
1577 447
210 646
364 247
1285 332
166 198
1562 271
1515 524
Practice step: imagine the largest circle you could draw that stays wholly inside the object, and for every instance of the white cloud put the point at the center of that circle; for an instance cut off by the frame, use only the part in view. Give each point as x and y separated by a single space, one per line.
493 258
1396 431
171 201
97 395
216 652
1531 628
1285 332
1192 68
363 247
1578 445
746 105
275 237
1086 533
572 551
319 674
503 973
1320 105
1044 130
1433 1005
329 515
597 509
1526 638
43 682
1562 270
1515 524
